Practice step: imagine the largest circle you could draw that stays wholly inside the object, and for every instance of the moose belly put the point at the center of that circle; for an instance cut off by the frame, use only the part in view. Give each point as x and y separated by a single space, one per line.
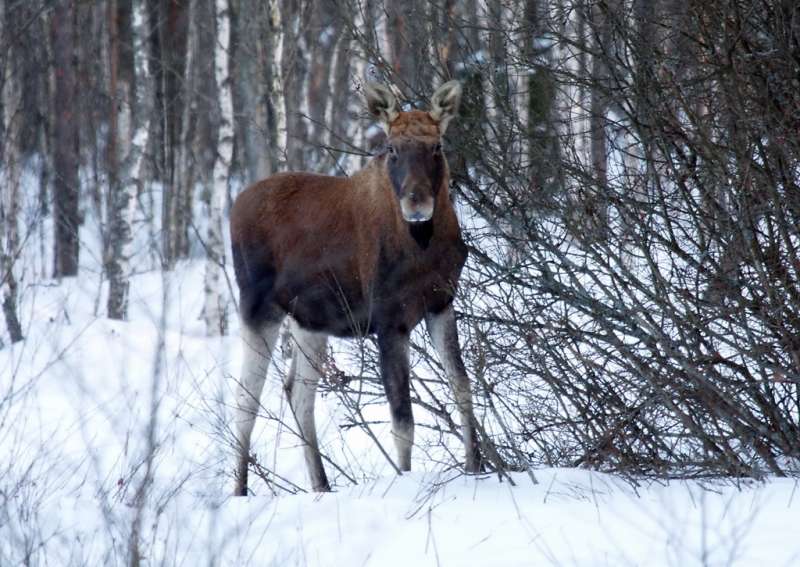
326 304
328 307
331 300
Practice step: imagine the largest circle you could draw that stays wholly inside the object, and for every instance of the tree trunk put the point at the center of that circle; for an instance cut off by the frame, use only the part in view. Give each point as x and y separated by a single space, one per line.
321 84
409 42
277 98
9 196
65 150
297 63
340 83
132 109
215 309
595 201
354 130
572 109
173 20
495 77
179 204
252 90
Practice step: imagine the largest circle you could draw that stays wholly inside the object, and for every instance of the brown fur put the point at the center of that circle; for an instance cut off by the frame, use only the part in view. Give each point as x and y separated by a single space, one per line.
415 124
333 232
373 253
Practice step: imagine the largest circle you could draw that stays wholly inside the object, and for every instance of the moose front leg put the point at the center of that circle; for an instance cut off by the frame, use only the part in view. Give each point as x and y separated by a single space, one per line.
393 348
444 335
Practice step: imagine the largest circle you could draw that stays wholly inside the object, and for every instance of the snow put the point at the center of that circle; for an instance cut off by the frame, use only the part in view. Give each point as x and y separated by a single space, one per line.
573 517
75 406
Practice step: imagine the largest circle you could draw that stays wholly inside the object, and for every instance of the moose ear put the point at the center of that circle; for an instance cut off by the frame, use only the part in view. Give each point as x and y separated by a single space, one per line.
381 102
444 103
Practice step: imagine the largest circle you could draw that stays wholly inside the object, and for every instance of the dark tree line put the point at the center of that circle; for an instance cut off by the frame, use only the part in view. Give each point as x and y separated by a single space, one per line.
627 169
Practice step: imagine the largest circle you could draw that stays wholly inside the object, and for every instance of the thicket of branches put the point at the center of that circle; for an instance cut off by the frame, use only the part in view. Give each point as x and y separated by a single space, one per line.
627 171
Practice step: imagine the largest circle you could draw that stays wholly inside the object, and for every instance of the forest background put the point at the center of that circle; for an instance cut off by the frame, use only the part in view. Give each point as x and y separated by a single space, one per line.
626 171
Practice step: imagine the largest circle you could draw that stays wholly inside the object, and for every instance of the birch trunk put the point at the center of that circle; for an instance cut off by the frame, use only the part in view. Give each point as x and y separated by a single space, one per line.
355 132
132 138
9 196
573 99
215 308
277 98
494 81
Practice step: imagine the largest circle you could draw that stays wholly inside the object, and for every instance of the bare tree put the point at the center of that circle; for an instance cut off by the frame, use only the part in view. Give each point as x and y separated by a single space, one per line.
215 307
251 74
187 163
174 98
66 190
277 98
11 86
130 127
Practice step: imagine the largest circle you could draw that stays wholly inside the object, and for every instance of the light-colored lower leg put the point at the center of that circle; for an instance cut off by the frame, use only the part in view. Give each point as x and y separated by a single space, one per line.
393 350
444 335
301 386
403 434
462 392
463 395
257 349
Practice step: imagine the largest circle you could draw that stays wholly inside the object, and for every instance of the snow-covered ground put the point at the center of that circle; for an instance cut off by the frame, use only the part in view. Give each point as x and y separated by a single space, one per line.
79 396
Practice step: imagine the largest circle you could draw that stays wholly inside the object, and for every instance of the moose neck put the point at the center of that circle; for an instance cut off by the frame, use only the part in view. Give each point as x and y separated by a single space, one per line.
422 232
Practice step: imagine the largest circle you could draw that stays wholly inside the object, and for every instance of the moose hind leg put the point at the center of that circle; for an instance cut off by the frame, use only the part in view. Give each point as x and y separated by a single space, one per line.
301 388
393 350
257 348
444 335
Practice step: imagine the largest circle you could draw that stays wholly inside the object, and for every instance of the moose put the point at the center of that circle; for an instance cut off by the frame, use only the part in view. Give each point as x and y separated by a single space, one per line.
373 253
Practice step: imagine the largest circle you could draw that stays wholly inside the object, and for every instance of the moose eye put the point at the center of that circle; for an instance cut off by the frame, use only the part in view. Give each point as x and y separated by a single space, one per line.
392 151
437 149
